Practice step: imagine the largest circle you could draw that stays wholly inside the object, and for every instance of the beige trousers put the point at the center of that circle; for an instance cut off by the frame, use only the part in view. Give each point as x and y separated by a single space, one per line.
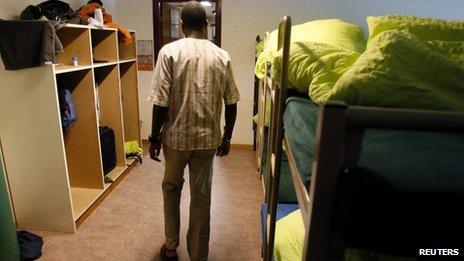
200 163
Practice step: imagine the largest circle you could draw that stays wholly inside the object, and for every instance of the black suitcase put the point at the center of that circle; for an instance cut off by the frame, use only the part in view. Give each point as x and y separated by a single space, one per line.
108 149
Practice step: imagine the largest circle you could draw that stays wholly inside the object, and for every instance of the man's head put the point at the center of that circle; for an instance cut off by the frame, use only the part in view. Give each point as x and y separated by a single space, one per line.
193 16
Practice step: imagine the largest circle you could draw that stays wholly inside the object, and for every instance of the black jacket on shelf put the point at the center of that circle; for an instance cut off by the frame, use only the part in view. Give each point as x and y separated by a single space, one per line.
27 43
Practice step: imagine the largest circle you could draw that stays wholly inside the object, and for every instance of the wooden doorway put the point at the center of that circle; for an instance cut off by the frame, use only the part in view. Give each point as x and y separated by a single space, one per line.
166 25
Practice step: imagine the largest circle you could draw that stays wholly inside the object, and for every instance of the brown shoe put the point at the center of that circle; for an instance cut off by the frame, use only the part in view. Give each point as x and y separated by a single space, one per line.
165 257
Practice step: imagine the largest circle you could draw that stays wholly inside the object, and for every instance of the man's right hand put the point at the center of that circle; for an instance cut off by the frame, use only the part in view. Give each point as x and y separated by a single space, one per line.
155 149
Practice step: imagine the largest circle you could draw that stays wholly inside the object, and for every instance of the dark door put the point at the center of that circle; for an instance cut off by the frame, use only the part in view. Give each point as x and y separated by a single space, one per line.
166 21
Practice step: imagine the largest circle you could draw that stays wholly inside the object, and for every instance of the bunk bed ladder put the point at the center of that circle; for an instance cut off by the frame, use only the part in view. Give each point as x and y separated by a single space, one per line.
260 140
278 95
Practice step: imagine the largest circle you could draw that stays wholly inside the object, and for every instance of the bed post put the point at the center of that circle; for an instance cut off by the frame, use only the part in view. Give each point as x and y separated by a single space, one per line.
328 150
276 135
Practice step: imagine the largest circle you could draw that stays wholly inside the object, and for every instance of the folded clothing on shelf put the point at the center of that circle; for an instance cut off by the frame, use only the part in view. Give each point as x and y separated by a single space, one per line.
28 43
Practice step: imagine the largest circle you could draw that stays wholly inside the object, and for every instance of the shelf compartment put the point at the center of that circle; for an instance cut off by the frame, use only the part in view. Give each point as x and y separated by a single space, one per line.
128 51
110 106
82 142
114 175
76 42
83 198
130 101
104 45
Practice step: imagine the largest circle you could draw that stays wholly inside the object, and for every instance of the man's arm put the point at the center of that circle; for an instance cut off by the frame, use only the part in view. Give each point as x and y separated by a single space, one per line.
160 95
231 97
158 118
230 116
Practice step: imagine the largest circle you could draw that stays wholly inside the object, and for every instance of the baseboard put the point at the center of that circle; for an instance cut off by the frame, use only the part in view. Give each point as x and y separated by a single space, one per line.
242 146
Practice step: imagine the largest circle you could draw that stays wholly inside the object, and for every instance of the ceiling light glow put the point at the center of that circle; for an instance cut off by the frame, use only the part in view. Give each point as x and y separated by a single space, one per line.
206 3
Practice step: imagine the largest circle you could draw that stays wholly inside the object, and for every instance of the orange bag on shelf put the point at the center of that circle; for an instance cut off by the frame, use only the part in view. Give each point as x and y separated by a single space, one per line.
88 10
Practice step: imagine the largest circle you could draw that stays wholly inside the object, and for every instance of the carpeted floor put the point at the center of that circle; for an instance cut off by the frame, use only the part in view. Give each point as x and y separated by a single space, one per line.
128 225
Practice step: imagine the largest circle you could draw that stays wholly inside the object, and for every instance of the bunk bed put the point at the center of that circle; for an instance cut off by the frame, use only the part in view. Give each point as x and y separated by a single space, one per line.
366 165
261 121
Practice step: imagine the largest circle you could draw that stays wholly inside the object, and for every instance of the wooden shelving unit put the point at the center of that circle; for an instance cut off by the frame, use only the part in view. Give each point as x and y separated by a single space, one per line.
130 96
56 179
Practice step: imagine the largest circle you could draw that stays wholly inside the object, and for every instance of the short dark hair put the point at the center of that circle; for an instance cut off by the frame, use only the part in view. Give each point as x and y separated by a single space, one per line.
193 16
96 2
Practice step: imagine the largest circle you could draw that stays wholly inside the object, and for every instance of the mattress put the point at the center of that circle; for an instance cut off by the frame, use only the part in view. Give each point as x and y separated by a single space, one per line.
406 184
286 189
294 121
405 160
290 237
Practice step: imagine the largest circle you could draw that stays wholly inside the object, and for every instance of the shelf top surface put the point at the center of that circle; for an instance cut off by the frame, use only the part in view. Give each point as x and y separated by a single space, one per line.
61 68
69 68
127 60
89 27
98 65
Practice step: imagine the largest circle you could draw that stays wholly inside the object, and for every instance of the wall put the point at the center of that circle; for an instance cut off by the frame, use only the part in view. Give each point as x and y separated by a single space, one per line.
243 19
10 9
137 15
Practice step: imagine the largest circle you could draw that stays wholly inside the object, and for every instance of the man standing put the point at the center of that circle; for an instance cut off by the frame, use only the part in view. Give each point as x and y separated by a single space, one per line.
192 78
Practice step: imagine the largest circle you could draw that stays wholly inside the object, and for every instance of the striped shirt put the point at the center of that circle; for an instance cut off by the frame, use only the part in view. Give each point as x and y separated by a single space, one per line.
192 77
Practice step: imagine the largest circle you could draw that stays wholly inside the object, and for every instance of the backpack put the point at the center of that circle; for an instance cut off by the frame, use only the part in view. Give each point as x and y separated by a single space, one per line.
56 10
30 13
67 108
30 245
108 148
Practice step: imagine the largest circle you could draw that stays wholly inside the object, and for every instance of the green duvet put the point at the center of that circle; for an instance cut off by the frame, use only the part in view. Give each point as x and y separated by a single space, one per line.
334 32
408 62
445 36
400 70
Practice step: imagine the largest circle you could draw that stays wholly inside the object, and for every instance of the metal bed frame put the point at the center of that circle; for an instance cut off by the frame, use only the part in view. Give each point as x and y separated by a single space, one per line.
277 95
339 134
262 93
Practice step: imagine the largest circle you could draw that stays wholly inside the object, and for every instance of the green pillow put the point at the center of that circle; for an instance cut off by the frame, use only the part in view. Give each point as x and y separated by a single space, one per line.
334 32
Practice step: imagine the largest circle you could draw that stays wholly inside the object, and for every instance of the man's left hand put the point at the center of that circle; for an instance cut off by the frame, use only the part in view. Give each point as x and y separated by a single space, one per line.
155 149
223 149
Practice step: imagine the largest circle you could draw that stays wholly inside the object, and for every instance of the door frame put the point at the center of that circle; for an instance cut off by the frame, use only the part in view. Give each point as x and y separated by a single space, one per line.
158 5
